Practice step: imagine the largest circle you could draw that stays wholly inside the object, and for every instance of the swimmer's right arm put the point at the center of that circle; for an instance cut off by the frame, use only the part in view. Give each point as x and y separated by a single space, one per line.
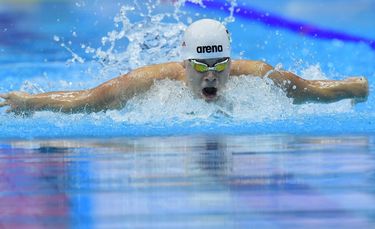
112 94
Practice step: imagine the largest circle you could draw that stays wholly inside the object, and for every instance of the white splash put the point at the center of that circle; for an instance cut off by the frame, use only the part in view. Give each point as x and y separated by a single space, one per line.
155 37
246 98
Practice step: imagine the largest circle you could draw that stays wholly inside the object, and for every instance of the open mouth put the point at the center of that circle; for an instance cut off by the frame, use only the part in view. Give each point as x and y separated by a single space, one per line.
209 92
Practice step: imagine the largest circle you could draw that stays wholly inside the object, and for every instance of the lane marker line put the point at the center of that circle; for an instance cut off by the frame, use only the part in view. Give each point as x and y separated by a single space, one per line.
273 20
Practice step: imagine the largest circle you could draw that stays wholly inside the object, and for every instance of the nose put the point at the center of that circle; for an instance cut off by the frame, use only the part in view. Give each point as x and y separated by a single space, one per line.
210 78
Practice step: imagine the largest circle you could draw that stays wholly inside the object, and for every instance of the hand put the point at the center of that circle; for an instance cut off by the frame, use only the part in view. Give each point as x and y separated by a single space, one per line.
362 92
357 79
17 102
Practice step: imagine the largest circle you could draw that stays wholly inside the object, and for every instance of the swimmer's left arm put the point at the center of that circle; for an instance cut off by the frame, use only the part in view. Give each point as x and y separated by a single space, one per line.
302 90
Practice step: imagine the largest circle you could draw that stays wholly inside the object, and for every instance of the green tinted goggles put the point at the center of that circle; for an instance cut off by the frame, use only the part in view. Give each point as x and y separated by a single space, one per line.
202 67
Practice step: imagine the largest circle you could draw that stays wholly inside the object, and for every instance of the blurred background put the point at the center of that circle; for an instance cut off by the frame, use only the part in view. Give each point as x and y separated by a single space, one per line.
27 26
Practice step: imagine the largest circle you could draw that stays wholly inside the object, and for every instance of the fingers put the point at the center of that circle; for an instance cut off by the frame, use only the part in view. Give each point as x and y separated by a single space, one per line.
5 103
20 113
4 96
356 79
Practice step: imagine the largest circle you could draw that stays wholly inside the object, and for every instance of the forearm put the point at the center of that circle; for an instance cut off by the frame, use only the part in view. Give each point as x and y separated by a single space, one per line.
334 90
324 91
67 101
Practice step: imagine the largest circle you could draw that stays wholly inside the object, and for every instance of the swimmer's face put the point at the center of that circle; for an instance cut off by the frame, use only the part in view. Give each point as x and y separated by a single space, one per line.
207 77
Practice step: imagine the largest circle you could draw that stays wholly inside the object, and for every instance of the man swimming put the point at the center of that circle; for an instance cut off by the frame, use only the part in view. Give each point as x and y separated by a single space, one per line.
205 69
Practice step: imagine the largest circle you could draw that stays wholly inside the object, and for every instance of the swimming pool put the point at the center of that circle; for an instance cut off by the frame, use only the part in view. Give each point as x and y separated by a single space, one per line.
167 159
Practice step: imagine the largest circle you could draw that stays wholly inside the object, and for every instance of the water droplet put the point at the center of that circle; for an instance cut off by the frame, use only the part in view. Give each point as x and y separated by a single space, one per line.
56 38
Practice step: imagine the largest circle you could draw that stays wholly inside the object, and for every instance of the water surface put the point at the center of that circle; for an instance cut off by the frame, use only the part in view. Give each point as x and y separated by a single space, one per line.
268 181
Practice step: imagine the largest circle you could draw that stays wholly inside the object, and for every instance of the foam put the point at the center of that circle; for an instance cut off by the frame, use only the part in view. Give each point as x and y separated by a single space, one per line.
245 98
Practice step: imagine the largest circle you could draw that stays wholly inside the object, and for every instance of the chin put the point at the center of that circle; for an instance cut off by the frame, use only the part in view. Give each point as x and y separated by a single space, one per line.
209 93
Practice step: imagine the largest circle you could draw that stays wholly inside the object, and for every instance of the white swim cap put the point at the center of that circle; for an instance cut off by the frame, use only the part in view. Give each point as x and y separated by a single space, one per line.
205 39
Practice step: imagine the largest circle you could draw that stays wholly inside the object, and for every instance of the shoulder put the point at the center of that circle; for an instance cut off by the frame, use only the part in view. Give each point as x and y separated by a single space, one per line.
250 67
250 64
173 70
169 66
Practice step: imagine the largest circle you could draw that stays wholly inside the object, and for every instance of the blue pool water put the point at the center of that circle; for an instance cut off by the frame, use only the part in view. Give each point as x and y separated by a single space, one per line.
268 181
168 160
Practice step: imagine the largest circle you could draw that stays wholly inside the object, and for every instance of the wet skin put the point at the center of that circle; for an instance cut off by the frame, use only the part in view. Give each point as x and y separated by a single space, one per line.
207 85
114 93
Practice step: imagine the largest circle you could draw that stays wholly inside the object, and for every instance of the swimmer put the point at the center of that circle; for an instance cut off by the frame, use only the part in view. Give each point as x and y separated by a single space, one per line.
205 69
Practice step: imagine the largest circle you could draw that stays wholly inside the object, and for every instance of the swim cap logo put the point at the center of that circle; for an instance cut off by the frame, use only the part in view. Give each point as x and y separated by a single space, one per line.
210 49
